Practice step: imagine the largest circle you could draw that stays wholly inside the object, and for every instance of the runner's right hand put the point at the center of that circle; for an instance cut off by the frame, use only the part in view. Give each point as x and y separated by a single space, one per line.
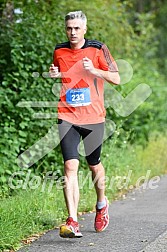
54 72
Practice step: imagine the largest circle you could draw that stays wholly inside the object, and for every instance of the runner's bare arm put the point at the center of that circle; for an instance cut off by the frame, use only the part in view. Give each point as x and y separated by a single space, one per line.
111 77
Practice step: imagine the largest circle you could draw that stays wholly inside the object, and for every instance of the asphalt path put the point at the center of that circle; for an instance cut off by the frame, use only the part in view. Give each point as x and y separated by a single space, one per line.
138 223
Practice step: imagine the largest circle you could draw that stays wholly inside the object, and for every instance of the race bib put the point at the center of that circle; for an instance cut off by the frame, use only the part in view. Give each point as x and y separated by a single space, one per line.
78 97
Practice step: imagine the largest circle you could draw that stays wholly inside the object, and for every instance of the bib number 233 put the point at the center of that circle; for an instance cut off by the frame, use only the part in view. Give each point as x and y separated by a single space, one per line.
78 97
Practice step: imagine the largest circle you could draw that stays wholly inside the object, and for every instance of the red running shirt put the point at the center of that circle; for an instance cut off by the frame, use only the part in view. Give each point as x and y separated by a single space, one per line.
74 76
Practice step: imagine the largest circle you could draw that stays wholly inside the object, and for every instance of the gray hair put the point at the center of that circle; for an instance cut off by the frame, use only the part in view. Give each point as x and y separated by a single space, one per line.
76 14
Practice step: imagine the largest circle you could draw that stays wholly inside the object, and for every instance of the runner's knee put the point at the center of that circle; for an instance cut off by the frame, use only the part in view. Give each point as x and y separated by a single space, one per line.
71 166
94 168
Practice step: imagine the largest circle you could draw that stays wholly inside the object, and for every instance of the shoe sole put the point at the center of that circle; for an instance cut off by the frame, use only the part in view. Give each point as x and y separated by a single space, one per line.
66 232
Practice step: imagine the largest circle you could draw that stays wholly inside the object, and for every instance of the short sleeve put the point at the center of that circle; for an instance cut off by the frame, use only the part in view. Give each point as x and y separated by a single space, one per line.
106 61
55 61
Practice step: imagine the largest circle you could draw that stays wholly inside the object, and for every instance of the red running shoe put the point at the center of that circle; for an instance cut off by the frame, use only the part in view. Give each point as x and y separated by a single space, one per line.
70 229
102 218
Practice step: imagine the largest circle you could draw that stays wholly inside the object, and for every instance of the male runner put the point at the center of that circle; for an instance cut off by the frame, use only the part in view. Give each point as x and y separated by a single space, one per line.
83 65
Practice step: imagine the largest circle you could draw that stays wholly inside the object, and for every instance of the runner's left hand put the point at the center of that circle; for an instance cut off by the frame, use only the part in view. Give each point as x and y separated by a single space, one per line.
88 65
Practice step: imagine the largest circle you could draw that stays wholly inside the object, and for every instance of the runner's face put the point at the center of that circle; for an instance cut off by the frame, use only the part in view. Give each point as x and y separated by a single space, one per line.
75 30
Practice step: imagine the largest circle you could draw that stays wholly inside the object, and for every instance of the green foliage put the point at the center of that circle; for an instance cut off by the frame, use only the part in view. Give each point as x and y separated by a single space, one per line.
27 42
161 26
25 51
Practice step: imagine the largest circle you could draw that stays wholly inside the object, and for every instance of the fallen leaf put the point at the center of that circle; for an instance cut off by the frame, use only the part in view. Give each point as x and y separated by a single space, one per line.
91 244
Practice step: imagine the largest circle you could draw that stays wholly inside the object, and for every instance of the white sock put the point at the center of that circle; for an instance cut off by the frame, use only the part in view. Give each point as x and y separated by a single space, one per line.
74 218
101 204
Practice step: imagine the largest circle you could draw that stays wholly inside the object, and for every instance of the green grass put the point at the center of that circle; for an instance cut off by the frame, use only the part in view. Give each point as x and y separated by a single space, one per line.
30 212
133 165
27 213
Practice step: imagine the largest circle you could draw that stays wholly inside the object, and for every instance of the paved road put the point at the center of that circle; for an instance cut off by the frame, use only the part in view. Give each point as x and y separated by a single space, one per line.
138 223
